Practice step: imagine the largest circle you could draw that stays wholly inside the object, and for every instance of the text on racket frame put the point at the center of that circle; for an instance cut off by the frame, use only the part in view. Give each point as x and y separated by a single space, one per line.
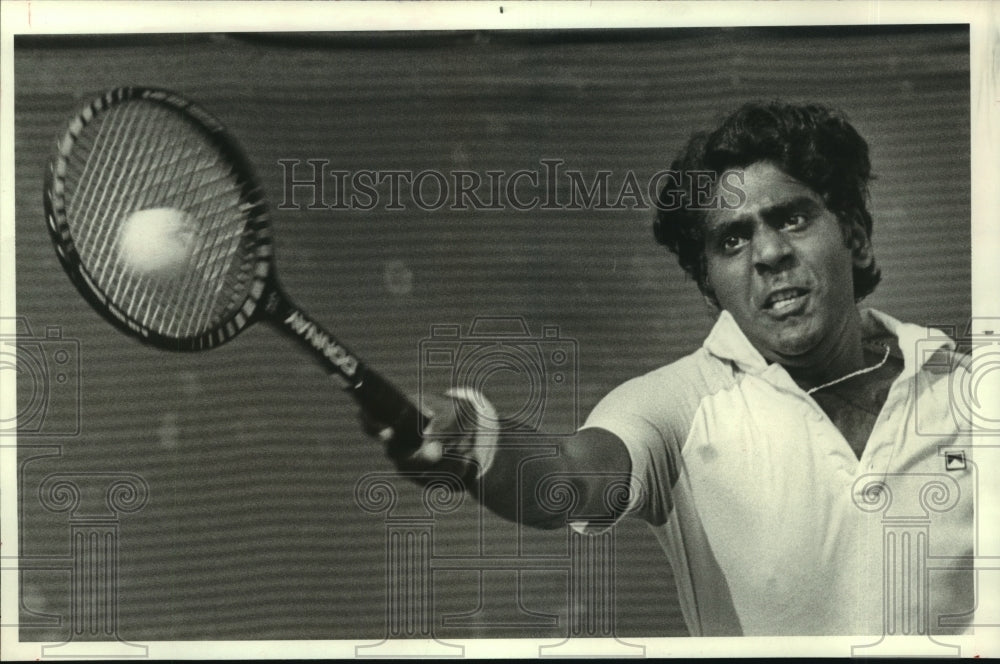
322 342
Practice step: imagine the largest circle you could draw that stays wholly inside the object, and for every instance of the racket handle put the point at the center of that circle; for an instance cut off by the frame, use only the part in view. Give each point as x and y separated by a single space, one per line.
385 404
378 397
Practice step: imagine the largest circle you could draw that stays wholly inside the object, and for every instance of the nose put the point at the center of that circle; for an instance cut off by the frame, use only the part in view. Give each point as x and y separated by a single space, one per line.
771 250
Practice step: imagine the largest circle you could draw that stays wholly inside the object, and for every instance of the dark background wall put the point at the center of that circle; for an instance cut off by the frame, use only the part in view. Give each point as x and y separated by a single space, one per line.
252 529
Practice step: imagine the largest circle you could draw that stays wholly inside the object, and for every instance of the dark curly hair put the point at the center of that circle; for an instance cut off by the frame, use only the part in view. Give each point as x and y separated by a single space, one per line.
814 144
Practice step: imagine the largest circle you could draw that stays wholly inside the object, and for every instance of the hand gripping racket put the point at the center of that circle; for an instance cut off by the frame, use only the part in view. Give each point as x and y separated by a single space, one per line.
136 149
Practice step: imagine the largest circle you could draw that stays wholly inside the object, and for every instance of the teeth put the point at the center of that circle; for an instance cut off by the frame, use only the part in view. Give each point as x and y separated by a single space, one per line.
782 304
782 301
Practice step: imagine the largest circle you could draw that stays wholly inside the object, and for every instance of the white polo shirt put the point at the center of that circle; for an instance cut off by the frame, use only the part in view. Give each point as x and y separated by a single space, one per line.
771 523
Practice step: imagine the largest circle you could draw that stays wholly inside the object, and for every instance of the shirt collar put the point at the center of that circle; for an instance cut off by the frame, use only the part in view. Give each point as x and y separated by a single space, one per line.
916 344
727 342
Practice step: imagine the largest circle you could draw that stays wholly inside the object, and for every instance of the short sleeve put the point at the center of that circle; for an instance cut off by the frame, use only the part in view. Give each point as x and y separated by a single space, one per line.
633 414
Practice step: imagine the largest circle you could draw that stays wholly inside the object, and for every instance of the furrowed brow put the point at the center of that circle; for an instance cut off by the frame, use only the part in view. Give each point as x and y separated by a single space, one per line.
720 229
797 205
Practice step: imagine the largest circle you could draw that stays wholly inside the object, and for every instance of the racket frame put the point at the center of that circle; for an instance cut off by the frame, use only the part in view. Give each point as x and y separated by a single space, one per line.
252 200
265 299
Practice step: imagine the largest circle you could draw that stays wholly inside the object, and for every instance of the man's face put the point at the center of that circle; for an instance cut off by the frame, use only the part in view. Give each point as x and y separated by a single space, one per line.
779 264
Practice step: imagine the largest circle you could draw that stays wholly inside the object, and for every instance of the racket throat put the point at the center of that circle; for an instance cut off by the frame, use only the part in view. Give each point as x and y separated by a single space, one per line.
332 354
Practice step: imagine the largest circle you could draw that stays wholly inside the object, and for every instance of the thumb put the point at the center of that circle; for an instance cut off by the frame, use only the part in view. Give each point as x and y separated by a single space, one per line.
479 444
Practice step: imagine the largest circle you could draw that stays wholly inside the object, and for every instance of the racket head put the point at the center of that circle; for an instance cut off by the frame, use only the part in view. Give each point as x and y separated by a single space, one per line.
138 148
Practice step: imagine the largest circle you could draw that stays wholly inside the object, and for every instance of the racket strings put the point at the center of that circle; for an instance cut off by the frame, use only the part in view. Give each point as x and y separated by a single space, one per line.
117 164
95 188
139 156
121 274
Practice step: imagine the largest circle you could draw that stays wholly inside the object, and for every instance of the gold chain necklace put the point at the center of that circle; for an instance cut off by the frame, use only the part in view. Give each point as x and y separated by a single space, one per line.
885 358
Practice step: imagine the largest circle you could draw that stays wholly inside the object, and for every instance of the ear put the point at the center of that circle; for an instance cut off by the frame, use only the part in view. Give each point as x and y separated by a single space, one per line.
860 245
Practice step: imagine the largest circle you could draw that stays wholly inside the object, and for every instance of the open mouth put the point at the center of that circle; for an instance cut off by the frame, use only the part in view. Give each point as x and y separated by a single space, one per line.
785 300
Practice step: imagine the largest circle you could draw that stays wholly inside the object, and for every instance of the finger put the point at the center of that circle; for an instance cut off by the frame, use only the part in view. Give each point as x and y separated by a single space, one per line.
440 413
430 452
370 426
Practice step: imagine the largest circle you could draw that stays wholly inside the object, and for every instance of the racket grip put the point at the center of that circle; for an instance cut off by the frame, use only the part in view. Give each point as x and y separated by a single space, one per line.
385 404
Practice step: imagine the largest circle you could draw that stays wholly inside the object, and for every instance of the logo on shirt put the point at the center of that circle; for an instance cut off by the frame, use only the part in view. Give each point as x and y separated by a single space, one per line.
954 460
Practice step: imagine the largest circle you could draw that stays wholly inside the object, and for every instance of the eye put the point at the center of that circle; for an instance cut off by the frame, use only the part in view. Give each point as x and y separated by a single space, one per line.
796 220
731 242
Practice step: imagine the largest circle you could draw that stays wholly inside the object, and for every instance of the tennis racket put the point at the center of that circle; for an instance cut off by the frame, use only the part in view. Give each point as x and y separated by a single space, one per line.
135 149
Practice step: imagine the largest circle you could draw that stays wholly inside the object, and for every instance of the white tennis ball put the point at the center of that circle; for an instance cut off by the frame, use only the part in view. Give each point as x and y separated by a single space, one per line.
157 242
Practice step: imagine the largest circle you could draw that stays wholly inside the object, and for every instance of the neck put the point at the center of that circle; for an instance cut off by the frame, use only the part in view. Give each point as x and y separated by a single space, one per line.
842 355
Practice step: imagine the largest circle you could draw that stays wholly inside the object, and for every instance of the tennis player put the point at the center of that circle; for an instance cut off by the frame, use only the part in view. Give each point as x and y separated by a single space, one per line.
768 461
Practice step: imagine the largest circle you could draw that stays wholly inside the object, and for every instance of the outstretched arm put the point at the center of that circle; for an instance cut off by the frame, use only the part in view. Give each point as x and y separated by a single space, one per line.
519 484
534 480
